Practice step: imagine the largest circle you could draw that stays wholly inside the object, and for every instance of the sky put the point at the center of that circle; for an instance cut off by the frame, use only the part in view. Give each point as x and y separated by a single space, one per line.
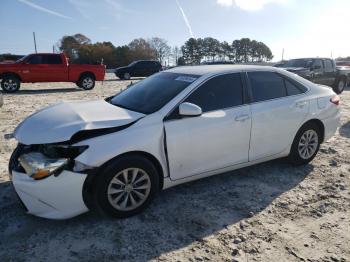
303 28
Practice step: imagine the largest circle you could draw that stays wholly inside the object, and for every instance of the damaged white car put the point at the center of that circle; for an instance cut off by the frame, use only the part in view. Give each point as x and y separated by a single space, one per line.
114 155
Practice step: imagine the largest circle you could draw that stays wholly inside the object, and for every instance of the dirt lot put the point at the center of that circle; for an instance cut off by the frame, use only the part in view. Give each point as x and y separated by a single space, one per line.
269 212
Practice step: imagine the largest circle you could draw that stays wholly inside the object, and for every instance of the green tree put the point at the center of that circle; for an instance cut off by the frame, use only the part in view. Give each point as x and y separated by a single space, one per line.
192 51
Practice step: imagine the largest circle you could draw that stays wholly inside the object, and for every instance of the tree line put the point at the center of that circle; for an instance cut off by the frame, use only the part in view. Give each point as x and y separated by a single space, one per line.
211 49
80 49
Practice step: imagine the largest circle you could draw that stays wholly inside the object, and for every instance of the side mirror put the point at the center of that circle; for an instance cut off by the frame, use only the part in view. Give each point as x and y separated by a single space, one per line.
189 109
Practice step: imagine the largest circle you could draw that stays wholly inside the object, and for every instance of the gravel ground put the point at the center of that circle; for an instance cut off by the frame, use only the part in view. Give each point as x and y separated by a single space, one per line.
268 212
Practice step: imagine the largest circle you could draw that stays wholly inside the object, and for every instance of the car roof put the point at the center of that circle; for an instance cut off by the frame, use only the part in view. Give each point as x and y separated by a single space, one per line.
215 69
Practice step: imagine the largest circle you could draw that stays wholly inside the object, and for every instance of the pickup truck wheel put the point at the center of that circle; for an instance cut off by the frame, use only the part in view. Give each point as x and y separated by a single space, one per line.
10 84
340 85
86 82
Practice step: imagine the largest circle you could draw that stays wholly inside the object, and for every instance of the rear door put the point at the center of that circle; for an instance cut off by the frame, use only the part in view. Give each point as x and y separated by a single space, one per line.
318 71
279 107
218 138
55 69
329 72
139 69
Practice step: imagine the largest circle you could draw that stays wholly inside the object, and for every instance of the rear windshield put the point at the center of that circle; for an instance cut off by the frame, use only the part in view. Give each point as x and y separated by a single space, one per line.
152 93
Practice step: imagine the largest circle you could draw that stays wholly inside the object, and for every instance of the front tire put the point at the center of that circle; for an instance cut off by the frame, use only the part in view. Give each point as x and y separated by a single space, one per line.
126 186
305 145
10 84
86 82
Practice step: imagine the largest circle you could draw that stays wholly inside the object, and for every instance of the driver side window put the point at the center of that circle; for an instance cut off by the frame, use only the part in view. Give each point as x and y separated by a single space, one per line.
35 60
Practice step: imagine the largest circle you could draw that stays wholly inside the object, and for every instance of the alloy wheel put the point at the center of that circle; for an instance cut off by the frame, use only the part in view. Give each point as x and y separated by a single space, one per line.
87 82
129 189
10 85
308 144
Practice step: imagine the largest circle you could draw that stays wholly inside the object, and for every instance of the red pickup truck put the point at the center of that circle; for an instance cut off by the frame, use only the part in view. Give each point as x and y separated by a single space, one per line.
48 68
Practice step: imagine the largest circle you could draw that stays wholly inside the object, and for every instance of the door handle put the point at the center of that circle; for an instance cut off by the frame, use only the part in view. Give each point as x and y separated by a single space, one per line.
241 118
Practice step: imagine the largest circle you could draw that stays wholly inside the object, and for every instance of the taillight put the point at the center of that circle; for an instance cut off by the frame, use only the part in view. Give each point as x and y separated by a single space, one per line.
335 100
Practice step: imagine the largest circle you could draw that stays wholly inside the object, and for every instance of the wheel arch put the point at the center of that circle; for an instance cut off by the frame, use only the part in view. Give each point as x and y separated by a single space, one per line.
87 73
90 181
319 124
2 75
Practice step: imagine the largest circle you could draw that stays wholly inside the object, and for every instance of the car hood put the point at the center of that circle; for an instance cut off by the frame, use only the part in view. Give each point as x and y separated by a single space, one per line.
58 123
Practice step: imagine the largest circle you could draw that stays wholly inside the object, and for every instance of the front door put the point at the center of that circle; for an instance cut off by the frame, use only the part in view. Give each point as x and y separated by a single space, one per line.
218 138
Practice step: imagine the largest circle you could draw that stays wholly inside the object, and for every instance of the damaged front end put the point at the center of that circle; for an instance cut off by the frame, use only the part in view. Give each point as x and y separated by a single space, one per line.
48 181
41 161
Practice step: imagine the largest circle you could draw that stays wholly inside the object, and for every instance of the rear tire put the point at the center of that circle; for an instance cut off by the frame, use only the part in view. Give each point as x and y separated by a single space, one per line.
126 187
340 85
86 82
126 76
10 84
305 145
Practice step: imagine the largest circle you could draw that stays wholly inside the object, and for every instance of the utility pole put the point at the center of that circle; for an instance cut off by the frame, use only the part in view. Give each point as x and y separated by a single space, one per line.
36 51
283 54
53 49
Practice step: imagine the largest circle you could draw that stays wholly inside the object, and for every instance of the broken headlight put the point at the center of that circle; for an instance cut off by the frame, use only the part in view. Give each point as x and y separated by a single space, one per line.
49 160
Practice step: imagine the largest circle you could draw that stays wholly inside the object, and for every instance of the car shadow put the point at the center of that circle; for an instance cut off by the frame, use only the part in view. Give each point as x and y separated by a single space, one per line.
177 218
44 91
344 130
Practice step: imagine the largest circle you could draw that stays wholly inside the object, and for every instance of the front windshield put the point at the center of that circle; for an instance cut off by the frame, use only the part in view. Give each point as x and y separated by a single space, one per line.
298 63
133 63
152 93
21 59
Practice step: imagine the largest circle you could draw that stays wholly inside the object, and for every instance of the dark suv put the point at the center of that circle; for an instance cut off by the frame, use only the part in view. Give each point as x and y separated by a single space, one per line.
141 68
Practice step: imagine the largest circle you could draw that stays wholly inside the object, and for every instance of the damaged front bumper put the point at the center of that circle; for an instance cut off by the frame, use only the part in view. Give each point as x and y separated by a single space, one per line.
55 197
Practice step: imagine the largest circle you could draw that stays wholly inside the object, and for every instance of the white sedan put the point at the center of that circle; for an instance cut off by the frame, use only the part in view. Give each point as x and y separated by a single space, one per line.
179 125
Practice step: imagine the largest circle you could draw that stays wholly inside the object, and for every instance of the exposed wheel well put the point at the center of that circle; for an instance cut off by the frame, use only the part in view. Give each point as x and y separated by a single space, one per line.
10 74
320 126
90 181
87 74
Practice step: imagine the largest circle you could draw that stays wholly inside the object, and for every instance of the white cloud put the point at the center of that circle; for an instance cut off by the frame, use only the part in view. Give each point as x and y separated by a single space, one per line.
43 9
187 22
250 5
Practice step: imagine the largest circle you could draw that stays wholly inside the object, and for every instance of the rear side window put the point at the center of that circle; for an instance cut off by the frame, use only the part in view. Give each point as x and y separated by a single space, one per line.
266 86
218 93
328 64
52 59
292 89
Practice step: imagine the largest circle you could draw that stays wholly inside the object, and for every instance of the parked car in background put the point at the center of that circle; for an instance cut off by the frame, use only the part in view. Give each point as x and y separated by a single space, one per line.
321 71
140 68
180 125
343 63
280 64
218 63
44 67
